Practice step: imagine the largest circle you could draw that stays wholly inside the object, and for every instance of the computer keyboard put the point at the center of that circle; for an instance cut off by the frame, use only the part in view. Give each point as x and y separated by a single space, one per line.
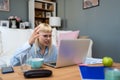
53 64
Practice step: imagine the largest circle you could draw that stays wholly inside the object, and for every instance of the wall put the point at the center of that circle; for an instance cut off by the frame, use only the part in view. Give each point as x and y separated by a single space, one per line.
18 8
101 24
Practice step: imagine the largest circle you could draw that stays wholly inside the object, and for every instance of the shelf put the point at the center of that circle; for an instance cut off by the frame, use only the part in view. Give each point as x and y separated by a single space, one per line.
40 17
47 10
40 11
44 6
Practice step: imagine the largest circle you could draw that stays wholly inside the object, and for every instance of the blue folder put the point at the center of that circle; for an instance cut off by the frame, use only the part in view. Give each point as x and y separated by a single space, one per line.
92 72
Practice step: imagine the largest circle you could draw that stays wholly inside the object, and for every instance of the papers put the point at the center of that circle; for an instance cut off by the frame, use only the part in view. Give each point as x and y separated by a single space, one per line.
92 72
92 60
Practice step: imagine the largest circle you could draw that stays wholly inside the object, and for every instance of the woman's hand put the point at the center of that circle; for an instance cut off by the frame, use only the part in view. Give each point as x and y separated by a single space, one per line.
34 35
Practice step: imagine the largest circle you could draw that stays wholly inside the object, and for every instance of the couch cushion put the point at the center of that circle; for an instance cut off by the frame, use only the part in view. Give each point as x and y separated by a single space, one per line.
54 36
13 39
68 35
0 44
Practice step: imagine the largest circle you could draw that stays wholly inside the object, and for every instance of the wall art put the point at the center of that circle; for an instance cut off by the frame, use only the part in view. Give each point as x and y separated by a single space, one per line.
90 3
4 5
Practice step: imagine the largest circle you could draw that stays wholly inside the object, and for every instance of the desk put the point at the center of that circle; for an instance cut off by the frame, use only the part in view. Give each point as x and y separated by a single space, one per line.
65 73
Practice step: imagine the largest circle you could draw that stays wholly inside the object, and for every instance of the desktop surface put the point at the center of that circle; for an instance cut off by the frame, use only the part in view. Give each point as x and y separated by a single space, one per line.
65 73
69 73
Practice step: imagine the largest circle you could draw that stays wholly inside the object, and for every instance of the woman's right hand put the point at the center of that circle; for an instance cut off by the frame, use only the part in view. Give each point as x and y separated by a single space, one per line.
34 35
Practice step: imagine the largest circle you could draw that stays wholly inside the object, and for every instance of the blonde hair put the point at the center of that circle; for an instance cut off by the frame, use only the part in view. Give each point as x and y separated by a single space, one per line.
43 27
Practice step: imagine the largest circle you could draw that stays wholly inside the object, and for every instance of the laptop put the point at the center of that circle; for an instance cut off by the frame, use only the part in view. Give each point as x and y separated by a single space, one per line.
71 52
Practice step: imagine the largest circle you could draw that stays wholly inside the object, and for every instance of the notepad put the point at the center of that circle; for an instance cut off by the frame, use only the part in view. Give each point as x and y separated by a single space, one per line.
92 72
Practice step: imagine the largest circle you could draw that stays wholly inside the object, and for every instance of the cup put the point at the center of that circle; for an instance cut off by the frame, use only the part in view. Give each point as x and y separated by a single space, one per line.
112 74
25 64
3 65
36 63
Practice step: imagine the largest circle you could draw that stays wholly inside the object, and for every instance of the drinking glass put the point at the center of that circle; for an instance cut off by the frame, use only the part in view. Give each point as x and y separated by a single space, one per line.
25 62
112 74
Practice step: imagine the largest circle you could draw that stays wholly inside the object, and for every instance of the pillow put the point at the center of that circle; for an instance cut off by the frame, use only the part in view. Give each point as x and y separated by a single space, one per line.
54 36
13 39
68 35
61 31
1 47
58 35
0 44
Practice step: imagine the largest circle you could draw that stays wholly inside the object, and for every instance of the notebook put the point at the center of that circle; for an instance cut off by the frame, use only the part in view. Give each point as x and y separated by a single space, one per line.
92 72
71 52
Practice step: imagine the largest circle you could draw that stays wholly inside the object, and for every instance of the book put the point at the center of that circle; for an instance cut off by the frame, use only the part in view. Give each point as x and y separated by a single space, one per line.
92 72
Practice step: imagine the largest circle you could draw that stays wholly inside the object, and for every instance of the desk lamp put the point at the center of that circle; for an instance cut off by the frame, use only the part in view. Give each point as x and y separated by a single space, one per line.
55 22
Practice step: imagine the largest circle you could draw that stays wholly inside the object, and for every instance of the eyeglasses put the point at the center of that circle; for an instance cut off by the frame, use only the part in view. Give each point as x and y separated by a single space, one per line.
46 36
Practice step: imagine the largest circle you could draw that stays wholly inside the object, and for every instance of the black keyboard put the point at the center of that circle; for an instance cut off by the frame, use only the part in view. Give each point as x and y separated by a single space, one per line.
53 64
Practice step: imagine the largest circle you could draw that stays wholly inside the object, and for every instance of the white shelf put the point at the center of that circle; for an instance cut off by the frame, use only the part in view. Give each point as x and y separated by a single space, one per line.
42 14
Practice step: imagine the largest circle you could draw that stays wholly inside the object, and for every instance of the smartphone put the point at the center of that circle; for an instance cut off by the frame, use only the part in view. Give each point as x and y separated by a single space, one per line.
5 70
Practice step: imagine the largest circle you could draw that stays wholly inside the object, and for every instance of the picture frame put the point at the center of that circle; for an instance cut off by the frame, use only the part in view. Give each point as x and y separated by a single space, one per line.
4 5
4 23
48 14
22 25
90 4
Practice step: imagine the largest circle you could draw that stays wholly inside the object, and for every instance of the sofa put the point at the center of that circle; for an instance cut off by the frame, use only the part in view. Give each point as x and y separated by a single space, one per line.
11 39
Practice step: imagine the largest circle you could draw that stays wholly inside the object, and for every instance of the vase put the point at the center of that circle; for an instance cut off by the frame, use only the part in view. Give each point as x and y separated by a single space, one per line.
13 24
17 24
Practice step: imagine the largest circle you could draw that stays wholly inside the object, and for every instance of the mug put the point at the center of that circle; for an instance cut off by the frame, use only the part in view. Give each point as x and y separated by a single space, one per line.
36 63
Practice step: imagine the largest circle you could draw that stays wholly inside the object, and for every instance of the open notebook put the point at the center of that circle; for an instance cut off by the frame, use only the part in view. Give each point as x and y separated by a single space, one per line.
71 52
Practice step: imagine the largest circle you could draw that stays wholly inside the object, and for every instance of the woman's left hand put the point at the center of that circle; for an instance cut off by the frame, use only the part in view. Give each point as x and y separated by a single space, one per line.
34 35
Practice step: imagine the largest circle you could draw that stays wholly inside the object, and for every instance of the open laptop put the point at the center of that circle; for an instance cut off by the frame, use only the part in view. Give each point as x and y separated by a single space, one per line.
71 52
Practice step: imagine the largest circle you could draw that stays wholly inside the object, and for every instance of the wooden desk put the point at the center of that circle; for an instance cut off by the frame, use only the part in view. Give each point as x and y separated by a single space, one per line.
66 73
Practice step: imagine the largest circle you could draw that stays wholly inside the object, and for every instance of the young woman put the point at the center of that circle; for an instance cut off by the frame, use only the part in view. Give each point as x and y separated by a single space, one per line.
38 46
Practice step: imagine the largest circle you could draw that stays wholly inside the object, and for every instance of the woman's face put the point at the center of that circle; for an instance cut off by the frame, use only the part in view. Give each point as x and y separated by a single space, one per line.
45 38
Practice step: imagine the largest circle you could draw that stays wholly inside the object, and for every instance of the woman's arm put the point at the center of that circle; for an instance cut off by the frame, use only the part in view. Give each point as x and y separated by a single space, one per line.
15 60
52 56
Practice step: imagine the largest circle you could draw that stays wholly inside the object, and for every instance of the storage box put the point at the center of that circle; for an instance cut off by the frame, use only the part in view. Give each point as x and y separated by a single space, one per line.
38 5
47 0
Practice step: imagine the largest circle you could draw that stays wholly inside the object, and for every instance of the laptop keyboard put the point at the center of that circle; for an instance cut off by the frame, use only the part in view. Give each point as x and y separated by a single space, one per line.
53 64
